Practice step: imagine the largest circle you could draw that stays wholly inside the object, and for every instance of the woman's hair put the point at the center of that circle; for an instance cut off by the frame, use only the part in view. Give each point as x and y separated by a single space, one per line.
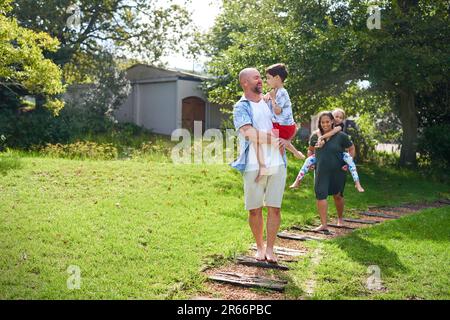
324 114
278 69
340 111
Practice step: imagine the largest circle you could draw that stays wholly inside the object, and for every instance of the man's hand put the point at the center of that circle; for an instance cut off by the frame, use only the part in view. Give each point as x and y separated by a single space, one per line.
283 143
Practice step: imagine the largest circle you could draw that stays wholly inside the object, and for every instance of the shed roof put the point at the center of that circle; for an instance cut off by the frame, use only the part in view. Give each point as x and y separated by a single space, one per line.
141 72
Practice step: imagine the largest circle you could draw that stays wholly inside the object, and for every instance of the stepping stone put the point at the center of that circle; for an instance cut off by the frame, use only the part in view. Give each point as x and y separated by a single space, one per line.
341 227
248 281
361 221
252 262
325 232
296 236
378 214
444 201
284 251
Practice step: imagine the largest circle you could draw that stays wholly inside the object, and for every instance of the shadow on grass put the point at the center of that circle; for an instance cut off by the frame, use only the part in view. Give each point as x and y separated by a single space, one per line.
367 253
8 162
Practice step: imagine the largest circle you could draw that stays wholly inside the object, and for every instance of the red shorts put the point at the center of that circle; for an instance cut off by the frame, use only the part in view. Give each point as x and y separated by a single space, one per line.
285 132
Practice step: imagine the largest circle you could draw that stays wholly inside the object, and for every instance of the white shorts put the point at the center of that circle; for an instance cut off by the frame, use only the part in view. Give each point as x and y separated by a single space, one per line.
268 192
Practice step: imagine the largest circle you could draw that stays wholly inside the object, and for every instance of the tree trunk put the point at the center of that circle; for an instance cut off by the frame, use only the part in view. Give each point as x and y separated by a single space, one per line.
408 118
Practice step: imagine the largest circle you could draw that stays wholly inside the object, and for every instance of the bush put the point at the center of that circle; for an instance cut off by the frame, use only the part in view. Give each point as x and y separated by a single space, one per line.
434 145
81 150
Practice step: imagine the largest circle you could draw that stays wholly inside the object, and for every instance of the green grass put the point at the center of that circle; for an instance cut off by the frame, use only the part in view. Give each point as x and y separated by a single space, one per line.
412 254
141 229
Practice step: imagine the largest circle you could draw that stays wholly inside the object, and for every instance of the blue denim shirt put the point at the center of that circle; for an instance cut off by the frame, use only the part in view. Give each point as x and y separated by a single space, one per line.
243 115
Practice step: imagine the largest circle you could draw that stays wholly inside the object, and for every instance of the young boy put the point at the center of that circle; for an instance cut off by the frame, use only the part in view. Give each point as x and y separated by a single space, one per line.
339 117
281 107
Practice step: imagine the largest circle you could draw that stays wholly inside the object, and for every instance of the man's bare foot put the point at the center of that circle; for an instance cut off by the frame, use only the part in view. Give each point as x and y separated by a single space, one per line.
271 257
296 184
263 171
260 255
359 187
321 228
340 222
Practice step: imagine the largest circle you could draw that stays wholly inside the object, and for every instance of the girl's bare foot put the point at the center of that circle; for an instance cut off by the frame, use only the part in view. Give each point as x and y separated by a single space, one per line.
296 184
358 186
321 228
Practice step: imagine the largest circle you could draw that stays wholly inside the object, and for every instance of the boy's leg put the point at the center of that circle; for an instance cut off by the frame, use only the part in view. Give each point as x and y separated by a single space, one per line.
352 167
303 171
294 151
261 163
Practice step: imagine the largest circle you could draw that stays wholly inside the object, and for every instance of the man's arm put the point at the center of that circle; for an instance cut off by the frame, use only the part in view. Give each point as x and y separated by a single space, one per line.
260 137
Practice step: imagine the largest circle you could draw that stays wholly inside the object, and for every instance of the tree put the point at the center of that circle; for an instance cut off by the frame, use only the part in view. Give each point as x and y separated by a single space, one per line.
406 57
23 66
126 27
329 49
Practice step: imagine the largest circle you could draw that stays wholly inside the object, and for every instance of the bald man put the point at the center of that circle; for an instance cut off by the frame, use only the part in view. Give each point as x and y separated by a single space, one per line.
253 120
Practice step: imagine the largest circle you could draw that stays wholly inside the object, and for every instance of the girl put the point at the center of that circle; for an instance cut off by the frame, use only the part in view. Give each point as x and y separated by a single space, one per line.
339 117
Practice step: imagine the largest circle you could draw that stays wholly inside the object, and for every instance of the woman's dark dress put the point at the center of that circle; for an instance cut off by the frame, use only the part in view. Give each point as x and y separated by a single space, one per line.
330 178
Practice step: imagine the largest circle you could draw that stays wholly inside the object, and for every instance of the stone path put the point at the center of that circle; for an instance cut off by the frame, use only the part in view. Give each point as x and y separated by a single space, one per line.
246 278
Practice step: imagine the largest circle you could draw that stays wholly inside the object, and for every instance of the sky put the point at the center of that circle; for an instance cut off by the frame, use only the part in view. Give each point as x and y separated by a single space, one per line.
203 14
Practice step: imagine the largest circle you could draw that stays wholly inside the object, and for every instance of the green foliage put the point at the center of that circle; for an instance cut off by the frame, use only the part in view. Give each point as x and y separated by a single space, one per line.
329 50
434 145
364 138
144 28
24 63
81 150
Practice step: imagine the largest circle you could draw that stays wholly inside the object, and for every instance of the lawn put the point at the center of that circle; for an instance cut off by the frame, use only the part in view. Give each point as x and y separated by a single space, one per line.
141 229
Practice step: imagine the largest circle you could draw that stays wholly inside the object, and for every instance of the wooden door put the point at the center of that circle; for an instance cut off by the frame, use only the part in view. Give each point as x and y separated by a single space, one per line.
193 110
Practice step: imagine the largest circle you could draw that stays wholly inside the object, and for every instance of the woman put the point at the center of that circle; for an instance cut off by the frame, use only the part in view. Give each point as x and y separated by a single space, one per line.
329 176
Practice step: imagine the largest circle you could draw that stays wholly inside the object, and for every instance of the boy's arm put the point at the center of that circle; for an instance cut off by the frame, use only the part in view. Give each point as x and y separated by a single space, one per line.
280 100
276 108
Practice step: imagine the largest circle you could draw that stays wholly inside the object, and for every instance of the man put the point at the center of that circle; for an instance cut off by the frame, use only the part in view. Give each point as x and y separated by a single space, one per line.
253 120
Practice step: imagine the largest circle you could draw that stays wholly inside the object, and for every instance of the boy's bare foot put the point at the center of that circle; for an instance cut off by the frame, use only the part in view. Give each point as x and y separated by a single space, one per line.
296 184
321 228
358 187
299 155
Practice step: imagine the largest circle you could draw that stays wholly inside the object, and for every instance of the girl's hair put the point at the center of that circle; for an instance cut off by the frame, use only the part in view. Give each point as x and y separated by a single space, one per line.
325 114
278 69
339 110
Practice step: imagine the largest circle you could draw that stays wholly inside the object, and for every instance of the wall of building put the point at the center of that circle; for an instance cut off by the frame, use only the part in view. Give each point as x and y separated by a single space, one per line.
155 108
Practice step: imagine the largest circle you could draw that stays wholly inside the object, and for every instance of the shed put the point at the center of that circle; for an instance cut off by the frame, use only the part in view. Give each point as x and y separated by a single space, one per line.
164 100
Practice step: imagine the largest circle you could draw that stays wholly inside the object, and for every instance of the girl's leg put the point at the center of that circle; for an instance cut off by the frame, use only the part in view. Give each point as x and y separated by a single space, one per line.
352 167
303 171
